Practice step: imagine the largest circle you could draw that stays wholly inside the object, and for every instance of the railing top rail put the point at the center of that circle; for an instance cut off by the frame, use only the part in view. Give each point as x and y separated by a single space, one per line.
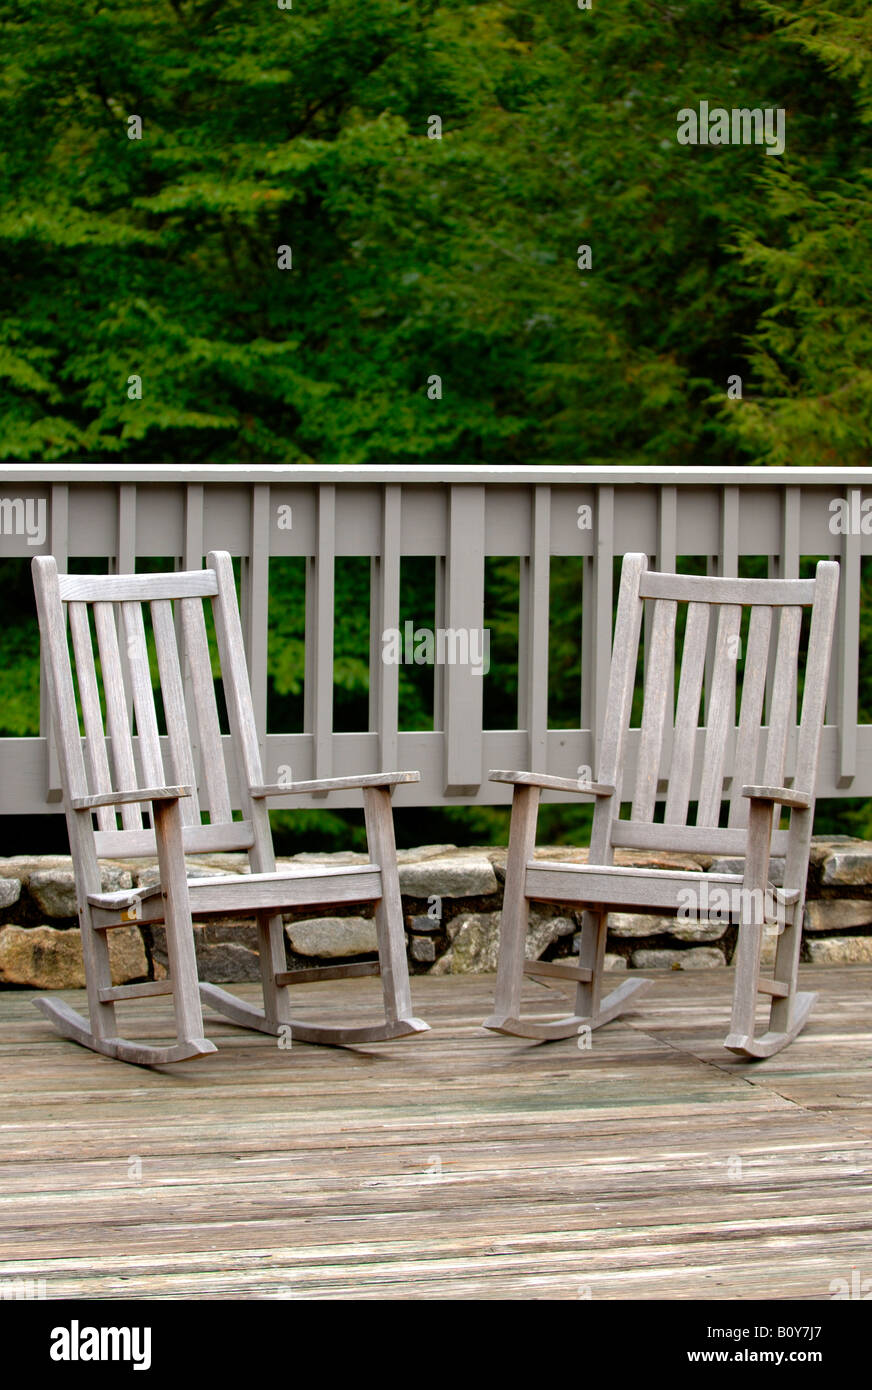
617 475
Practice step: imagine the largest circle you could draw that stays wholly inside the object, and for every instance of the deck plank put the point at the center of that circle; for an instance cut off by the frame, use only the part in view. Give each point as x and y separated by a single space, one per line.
454 1165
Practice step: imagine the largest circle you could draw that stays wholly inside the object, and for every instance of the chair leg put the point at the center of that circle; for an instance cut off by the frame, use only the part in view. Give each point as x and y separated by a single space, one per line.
516 912
590 1006
789 1011
389 912
100 1033
590 1009
167 821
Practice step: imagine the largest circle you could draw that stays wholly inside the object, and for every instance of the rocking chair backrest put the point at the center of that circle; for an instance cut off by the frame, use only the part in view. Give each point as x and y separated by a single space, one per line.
109 669
698 761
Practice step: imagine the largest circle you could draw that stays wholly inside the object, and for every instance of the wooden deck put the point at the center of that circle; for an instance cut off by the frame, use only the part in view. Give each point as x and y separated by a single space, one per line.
455 1165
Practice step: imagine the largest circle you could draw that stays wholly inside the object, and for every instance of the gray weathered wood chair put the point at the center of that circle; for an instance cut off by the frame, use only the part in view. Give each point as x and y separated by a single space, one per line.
116 774
695 766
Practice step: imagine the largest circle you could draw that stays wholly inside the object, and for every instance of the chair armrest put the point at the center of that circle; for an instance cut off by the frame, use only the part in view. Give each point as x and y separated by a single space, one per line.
334 784
87 803
785 796
556 784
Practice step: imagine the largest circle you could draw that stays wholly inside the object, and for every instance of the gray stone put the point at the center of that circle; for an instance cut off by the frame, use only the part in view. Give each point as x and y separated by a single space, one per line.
852 865
48 958
841 950
833 914
461 877
337 858
730 865
240 931
10 891
421 922
658 859
423 948
23 865
630 924
475 942
333 936
768 948
642 924
412 856
225 962
54 890
697 958
236 932
696 931
613 962
148 877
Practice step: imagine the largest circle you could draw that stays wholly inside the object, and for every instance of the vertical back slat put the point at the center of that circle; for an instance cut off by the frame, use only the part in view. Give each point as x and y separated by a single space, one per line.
618 705
59 530
816 672
173 692
687 713
143 695
667 560
751 712
255 587
847 665
596 623
659 697
780 704
89 695
721 714
208 728
192 559
117 718
228 630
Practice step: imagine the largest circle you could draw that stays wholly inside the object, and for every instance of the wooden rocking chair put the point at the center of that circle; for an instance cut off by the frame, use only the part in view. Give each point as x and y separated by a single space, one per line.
695 768
116 603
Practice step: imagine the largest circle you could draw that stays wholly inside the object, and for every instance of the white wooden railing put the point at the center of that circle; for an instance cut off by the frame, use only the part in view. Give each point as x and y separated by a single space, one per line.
458 516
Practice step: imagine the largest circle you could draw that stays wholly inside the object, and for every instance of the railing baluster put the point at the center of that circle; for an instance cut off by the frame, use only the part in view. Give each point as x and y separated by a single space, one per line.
538 568
465 614
384 678
320 586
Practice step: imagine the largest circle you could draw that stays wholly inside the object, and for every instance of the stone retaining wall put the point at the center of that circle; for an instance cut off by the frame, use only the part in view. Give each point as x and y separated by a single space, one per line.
451 903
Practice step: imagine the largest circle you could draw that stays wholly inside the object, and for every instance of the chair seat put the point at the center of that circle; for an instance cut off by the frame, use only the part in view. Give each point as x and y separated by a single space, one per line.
615 885
315 885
